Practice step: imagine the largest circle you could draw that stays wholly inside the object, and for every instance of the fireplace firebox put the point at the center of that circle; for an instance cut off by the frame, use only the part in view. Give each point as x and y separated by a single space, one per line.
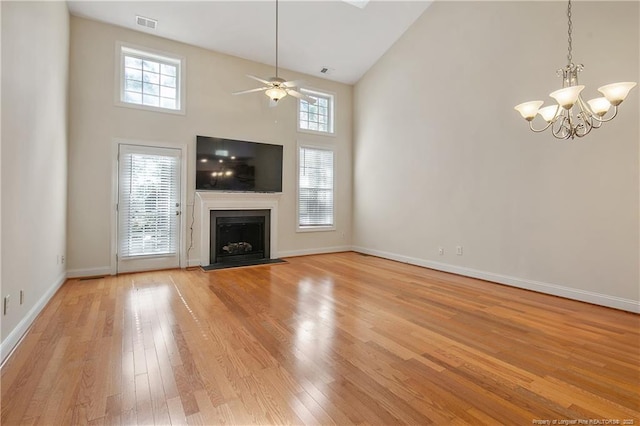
239 236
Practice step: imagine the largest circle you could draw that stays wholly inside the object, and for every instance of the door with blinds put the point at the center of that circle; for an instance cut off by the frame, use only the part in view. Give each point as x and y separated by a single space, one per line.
148 208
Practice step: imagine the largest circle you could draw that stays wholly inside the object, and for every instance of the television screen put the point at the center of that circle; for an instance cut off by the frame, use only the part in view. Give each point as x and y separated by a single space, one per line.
231 165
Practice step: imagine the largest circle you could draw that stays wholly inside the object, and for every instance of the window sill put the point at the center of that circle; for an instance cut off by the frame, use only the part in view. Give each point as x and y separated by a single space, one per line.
151 108
315 228
317 132
148 256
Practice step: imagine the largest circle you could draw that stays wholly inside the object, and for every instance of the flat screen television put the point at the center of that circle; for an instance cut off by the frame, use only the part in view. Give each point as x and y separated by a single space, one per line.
232 165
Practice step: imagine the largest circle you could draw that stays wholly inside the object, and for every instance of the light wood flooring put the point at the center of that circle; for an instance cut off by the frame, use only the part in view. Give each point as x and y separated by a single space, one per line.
328 339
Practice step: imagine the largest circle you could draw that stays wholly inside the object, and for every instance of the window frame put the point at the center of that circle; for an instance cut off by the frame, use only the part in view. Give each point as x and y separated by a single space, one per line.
315 228
331 116
156 56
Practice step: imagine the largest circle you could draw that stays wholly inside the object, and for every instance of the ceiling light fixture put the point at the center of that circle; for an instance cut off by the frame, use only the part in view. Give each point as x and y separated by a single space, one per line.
572 116
278 91
277 88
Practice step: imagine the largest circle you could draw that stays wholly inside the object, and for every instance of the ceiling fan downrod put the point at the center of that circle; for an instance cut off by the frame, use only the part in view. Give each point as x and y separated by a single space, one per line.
276 38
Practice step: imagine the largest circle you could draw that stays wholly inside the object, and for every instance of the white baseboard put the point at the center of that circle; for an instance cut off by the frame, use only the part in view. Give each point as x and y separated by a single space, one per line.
193 262
96 272
541 287
306 252
89 272
12 340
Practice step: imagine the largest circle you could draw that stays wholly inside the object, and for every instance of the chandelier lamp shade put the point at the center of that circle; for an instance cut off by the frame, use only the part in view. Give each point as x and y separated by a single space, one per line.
571 116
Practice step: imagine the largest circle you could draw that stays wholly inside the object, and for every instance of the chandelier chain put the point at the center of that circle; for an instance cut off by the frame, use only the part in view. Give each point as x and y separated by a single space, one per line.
570 25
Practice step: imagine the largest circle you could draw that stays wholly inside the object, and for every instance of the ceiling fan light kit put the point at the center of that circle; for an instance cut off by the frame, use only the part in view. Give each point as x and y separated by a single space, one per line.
277 88
573 117
275 93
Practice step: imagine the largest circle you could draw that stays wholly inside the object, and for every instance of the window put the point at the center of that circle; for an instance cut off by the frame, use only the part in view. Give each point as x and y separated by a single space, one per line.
315 188
316 117
150 80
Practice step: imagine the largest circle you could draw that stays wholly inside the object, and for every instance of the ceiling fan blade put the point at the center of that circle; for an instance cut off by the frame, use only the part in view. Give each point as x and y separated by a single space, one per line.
293 83
261 80
259 89
302 96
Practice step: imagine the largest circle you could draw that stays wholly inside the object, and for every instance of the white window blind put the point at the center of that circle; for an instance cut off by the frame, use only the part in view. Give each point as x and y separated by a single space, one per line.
315 187
148 202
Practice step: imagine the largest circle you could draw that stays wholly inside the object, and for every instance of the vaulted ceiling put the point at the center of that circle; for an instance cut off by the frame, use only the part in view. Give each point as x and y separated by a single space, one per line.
347 38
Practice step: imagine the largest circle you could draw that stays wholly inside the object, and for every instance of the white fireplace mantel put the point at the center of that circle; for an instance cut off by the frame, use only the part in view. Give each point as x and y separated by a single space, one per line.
206 201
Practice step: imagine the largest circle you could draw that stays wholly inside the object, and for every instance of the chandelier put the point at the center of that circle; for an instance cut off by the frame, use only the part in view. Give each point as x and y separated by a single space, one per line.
572 116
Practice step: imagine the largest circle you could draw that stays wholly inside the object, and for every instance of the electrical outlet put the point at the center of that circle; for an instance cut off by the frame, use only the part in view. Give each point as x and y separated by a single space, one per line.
459 250
441 251
6 305
62 259
21 297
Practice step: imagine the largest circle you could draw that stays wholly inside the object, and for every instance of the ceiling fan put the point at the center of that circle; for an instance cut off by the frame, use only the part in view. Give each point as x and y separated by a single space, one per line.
277 88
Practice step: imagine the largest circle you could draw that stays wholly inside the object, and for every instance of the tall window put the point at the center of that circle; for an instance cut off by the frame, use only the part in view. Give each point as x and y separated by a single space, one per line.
316 117
150 81
315 188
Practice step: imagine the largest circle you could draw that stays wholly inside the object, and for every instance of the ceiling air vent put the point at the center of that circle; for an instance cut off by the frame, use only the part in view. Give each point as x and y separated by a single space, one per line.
146 22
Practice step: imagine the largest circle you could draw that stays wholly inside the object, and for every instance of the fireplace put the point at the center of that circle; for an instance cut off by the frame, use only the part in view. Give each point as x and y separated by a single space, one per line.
208 201
239 236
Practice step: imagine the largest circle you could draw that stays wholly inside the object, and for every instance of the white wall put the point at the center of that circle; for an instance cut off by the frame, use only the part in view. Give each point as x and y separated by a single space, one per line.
442 159
211 110
35 51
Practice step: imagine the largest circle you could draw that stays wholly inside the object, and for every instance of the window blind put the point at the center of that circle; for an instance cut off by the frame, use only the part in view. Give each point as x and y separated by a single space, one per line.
315 187
147 202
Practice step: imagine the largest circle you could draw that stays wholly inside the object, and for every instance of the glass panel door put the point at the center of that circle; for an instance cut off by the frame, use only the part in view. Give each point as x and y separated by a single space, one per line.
148 208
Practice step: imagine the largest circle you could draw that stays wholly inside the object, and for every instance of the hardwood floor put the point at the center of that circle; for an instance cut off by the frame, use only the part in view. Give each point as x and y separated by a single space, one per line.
328 339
